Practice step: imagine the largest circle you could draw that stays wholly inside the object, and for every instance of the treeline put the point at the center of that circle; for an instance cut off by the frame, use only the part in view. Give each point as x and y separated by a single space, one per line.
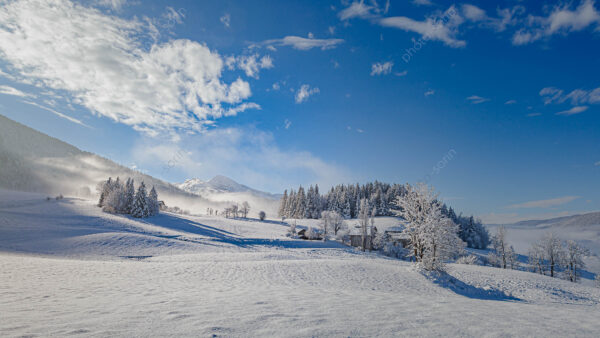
119 198
381 197
343 199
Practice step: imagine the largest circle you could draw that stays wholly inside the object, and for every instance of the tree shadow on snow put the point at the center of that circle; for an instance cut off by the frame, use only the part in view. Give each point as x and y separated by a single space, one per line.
445 280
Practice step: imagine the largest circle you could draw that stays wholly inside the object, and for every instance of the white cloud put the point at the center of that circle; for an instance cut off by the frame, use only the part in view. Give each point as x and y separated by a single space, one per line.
573 111
301 43
61 115
305 92
577 96
551 95
597 164
113 4
402 73
506 17
422 2
473 13
226 19
356 10
379 68
113 67
534 114
287 124
429 92
510 102
173 17
442 27
474 99
508 218
220 151
544 203
250 64
7 90
561 20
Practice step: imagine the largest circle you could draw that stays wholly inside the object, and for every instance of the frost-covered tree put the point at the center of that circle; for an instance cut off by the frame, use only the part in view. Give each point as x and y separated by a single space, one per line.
292 230
300 204
332 220
152 202
129 195
574 260
140 205
536 259
245 209
554 252
433 237
502 254
104 188
550 247
282 205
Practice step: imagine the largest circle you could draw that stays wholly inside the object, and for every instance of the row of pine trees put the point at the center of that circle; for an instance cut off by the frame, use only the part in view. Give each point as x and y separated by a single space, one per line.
343 199
119 198
381 198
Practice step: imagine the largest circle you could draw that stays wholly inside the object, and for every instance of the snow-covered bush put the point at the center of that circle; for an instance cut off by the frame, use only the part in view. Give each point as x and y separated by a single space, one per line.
393 249
468 260
598 280
292 230
262 215
311 233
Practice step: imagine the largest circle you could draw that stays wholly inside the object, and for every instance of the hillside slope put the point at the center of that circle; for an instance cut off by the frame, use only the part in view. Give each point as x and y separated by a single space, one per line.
35 162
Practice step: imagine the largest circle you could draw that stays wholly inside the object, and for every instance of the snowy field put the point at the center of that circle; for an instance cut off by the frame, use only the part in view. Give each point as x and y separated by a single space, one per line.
66 268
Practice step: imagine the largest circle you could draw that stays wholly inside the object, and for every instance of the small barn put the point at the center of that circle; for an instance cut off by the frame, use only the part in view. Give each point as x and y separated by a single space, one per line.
397 236
355 237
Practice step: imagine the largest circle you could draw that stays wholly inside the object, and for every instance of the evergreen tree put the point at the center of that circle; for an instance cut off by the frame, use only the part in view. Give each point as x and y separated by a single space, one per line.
152 202
129 195
104 190
282 205
140 205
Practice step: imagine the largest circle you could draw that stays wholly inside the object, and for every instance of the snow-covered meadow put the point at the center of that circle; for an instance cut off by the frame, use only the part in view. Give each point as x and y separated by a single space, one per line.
67 268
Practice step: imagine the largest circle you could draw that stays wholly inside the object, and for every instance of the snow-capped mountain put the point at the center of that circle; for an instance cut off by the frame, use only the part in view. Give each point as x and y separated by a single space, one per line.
220 185
225 191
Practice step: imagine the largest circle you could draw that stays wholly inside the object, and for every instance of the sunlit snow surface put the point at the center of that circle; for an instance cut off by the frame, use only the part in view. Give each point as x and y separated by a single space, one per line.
66 268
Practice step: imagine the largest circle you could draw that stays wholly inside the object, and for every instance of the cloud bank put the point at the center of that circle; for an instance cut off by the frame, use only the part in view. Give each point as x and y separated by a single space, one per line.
116 68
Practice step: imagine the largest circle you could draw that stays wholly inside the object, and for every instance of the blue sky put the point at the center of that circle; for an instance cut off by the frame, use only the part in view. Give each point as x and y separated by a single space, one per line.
494 104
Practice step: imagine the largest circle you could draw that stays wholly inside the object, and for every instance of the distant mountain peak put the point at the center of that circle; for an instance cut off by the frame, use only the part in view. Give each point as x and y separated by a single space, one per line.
219 185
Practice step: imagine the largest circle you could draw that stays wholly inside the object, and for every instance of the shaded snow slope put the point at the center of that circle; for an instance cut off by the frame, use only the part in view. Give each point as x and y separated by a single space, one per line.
66 268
